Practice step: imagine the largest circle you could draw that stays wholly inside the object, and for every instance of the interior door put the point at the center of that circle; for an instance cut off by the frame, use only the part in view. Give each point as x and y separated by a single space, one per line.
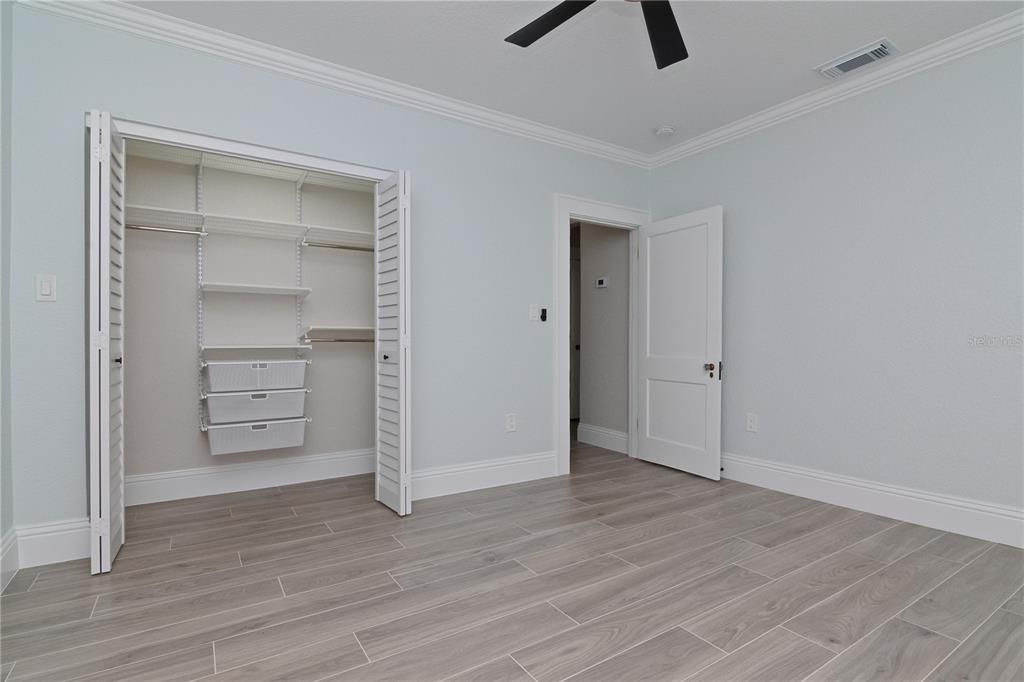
679 391
394 468
106 343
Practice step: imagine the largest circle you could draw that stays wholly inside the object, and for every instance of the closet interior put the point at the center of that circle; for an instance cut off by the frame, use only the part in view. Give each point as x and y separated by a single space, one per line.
250 291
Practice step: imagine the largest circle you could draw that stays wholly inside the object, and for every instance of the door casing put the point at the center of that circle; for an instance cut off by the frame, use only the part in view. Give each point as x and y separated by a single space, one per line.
569 209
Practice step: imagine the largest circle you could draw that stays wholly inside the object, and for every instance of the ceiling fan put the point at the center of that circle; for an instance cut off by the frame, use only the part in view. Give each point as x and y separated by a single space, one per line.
666 41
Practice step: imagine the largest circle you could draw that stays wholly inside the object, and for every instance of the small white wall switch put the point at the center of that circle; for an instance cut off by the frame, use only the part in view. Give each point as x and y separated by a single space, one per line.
751 422
601 283
510 422
534 311
46 288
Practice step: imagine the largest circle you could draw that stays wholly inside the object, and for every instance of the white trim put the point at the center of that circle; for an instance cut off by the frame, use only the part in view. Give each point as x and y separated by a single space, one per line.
489 473
601 437
49 543
959 45
8 557
148 132
156 26
568 209
993 522
230 478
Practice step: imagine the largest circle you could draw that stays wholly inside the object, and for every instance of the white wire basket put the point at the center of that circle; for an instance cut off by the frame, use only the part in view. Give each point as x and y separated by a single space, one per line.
256 435
246 375
243 406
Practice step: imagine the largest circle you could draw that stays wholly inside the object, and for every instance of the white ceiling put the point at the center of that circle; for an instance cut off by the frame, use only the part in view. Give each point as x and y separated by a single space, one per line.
595 75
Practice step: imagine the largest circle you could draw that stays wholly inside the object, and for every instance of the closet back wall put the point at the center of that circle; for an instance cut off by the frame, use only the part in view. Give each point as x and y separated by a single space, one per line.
162 417
482 248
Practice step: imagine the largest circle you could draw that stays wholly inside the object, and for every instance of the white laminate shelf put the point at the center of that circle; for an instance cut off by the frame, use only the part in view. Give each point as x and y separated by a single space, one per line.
215 223
239 288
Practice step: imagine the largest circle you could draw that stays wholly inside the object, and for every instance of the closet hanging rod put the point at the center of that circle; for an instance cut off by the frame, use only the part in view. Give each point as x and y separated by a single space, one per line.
368 249
307 340
150 228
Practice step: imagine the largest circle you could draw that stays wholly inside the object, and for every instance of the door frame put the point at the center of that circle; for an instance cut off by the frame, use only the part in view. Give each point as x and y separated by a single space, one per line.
567 210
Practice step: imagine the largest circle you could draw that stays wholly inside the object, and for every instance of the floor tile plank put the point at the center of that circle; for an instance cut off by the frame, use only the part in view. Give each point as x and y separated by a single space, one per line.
671 655
995 651
963 602
895 543
758 612
465 650
777 655
251 646
795 527
841 620
1015 604
591 602
896 651
575 650
308 663
705 534
789 557
502 670
404 633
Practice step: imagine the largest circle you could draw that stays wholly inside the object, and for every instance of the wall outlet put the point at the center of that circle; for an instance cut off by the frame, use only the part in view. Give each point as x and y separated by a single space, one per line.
534 312
751 422
510 422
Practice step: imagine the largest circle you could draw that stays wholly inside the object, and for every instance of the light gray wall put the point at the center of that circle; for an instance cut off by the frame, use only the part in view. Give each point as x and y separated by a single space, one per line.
482 247
604 327
865 245
6 473
161 416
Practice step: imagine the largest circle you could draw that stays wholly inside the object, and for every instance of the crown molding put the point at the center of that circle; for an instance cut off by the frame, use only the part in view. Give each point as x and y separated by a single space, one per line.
149 24
959 45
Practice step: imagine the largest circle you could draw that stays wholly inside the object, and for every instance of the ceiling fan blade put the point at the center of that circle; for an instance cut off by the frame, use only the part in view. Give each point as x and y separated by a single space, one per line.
666 41
547 22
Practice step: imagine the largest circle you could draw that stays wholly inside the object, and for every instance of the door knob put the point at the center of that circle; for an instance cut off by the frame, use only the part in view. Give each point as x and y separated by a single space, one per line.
709 366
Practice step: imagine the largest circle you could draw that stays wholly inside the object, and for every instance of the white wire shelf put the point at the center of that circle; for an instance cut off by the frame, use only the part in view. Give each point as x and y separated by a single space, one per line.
319 332
256 346
239 288
164 218
317 235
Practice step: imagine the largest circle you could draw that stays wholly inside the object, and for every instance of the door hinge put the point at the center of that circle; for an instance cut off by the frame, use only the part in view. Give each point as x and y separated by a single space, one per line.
100 341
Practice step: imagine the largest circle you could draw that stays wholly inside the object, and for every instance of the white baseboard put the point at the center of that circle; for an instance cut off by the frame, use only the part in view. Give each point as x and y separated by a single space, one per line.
8 557
601 437
489 473
231 478
984 520
49 543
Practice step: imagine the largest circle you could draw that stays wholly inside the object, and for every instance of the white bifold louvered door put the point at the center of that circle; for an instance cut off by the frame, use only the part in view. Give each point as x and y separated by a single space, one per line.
391 270
106 342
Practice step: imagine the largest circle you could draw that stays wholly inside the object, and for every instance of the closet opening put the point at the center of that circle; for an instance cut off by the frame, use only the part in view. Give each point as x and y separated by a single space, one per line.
249 324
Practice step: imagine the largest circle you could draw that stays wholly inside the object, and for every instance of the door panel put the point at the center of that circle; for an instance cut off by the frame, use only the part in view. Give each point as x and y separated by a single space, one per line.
106 342
392 344
680 345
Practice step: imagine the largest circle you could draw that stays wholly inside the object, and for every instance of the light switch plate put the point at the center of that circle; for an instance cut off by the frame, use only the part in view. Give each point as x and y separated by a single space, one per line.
46 288
534 313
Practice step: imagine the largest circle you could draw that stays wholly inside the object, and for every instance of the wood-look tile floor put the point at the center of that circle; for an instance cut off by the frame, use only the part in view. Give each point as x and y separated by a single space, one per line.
621 571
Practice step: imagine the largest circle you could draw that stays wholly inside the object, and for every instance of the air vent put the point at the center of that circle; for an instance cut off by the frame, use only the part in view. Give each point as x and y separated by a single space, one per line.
872 52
